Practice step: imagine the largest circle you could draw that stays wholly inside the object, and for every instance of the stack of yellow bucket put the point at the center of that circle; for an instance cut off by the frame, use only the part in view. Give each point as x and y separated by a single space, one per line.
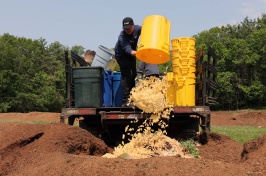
184 68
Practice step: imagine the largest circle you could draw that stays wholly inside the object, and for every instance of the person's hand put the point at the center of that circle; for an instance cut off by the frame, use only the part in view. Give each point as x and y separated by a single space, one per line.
133 53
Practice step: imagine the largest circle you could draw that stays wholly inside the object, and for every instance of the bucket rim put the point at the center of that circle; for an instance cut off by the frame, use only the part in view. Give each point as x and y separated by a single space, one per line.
106 49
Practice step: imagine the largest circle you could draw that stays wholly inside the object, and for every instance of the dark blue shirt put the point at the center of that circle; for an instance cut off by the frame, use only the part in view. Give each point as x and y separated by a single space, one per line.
126 43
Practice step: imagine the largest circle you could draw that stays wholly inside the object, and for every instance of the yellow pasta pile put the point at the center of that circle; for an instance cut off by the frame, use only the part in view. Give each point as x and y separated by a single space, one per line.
147 144
150 96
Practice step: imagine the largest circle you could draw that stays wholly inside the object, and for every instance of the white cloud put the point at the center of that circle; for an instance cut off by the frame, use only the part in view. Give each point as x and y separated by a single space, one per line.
251 9
248 8
234 22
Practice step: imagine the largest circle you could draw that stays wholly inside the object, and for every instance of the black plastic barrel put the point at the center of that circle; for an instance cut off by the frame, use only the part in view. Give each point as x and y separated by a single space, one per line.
88 86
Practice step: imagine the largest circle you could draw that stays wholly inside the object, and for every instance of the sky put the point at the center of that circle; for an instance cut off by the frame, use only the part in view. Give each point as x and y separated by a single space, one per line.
90 23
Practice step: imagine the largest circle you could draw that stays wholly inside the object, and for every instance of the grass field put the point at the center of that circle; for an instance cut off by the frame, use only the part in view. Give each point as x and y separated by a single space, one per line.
240 134
22 122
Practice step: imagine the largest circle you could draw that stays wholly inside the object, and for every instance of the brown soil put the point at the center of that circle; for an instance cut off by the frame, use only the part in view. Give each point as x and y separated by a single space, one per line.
59 149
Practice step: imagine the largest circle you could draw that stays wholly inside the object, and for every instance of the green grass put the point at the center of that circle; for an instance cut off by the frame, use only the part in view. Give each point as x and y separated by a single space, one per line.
7 121
76 123
241 134
22 122
41 122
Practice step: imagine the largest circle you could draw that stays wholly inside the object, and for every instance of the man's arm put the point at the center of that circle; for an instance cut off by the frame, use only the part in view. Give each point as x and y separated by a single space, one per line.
127 47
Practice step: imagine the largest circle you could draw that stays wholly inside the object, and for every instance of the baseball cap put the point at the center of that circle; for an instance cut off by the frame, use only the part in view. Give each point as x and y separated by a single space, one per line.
127 23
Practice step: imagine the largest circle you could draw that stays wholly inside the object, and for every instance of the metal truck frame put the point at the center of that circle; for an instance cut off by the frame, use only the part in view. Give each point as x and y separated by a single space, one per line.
109 123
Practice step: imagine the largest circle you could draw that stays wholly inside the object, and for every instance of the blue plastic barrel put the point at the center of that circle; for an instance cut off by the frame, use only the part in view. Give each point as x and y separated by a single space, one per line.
117 90
107 90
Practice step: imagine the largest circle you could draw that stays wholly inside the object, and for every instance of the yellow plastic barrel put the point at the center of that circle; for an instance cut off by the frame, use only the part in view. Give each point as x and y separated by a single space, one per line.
154 42
170 94
185 91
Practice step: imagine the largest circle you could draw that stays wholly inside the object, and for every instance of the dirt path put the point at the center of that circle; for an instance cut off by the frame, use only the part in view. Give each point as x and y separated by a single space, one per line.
59 149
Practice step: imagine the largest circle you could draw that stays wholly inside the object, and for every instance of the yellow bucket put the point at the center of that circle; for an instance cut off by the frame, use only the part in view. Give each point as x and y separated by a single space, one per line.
183 43
184 61
185 91
183 72
185 69
154 43
184 53
170 94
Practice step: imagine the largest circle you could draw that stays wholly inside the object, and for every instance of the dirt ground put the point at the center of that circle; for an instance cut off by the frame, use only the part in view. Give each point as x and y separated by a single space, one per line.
59 149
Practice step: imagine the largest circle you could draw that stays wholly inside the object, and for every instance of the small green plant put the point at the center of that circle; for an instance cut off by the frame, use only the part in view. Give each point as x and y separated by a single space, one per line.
124 155
189 145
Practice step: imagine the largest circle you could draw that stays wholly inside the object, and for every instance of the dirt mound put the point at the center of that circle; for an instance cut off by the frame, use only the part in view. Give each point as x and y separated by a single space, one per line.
239 118
252 148
254 154
52 138
19 140
58 149
221 148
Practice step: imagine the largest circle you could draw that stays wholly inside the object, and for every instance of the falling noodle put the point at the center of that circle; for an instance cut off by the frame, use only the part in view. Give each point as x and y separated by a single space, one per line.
150 96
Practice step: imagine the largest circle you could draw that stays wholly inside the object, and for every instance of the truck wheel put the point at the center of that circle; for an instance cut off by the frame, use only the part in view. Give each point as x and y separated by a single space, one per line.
71 120
94 130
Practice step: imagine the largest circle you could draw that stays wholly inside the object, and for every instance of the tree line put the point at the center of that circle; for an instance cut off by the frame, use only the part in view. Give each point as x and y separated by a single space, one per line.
32 73
242 62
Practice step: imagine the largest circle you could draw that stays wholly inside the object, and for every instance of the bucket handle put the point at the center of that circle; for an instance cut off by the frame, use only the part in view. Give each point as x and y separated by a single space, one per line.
140 46
166 46
109 82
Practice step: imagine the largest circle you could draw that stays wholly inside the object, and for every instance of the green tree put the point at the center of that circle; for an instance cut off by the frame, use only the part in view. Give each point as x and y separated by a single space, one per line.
32 75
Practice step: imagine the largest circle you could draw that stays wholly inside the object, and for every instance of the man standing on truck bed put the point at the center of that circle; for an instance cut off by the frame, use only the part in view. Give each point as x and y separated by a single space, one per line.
125 54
